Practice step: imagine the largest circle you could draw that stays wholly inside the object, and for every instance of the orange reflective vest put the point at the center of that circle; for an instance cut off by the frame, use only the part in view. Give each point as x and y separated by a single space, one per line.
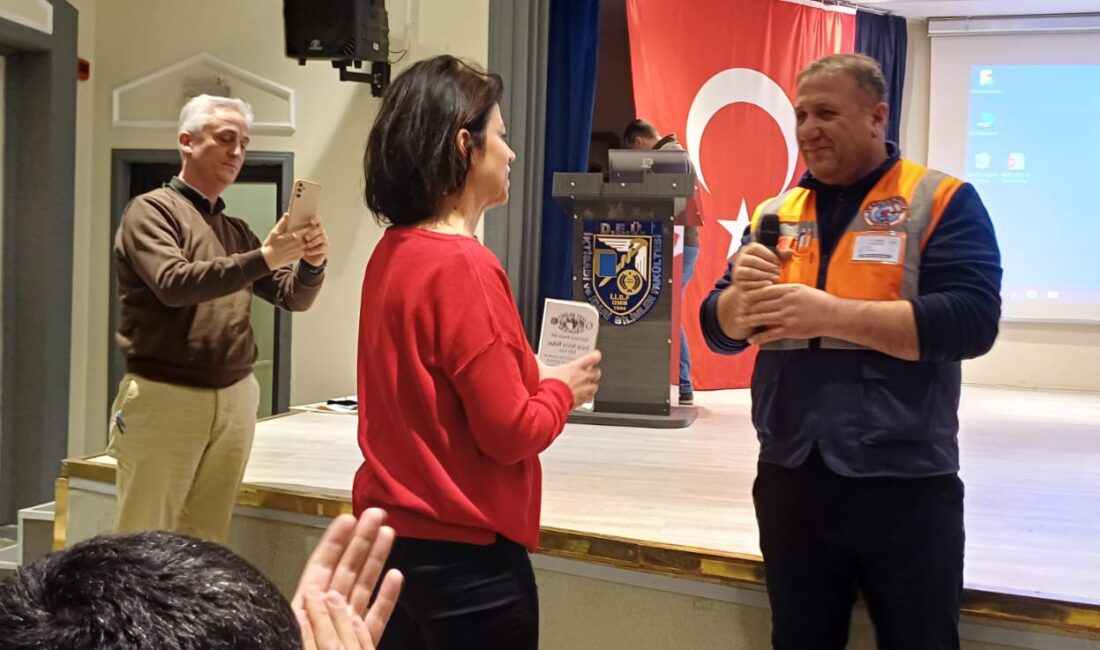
878 256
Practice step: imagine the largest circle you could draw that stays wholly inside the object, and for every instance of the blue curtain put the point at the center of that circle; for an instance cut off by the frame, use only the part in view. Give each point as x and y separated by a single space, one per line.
884 38
570 94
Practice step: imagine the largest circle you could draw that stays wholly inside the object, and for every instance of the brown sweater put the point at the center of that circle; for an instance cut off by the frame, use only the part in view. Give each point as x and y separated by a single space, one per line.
186 275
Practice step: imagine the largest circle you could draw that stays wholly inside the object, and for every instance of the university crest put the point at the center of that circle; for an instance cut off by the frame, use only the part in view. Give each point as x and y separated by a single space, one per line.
623 268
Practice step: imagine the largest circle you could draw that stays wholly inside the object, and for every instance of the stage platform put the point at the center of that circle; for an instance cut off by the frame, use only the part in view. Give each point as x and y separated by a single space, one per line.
678 502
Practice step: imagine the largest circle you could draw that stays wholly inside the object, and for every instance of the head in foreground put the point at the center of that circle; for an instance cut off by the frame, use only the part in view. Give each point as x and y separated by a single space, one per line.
144 591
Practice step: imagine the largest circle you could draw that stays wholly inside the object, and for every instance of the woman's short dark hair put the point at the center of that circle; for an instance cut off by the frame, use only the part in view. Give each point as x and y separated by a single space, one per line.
411 162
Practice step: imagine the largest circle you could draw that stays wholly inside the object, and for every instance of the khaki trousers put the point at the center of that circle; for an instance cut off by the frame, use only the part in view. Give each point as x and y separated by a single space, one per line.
181 454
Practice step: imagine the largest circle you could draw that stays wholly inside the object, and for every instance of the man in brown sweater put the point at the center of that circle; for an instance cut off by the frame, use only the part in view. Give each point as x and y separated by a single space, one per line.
185 413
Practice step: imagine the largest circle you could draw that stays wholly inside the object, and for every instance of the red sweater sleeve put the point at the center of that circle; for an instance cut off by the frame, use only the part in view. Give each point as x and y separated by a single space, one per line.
510 423
512 415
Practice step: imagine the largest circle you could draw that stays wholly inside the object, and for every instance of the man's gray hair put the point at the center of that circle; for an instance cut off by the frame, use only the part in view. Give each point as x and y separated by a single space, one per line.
196 113
864 70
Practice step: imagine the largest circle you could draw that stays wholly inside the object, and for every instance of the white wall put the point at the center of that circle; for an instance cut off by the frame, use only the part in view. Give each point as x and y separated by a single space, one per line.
126 40
1026 355
914 100
87 421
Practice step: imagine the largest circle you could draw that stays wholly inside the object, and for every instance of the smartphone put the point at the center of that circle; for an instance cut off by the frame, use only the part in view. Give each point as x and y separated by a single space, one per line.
304 201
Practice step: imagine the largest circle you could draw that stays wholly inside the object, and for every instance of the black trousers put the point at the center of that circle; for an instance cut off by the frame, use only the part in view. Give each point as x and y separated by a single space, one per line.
900 541
459 596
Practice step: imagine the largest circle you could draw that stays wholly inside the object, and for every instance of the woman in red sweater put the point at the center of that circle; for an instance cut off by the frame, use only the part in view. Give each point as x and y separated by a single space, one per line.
454 408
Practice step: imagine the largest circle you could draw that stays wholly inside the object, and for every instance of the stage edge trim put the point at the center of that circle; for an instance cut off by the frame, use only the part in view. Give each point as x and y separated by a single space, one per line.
652 557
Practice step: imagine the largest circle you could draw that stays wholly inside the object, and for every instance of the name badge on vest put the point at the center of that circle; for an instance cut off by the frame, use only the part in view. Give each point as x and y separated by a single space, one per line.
880 247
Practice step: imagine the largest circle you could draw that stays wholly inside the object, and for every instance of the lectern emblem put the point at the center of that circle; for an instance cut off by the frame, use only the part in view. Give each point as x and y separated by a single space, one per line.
622 268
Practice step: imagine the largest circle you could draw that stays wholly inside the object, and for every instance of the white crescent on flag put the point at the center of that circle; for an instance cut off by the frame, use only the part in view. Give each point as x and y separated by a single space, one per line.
748 86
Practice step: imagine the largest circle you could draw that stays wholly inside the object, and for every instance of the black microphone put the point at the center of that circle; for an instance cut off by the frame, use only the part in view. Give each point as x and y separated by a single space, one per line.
767 234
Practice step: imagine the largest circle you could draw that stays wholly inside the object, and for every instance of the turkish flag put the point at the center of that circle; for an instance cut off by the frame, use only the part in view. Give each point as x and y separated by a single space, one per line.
721 75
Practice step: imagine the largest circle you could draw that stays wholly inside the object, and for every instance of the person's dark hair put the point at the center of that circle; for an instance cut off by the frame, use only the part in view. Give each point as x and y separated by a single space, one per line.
639 129
144 591
412 162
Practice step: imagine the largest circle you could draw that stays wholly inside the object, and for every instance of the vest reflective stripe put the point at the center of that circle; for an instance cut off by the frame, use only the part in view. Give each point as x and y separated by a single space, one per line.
943 194
797 212
907 202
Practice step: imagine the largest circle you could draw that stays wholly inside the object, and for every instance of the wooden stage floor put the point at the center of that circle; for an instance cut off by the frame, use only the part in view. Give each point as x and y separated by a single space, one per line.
677 502
1031 464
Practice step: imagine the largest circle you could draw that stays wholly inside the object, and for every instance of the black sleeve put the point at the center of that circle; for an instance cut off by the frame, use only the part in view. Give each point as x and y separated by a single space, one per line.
958 308
716 339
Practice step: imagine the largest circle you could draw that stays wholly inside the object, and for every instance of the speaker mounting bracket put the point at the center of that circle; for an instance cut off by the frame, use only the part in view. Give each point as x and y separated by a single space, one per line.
378 77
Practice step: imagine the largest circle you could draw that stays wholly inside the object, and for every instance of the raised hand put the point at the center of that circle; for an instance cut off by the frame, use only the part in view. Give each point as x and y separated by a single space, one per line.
343 571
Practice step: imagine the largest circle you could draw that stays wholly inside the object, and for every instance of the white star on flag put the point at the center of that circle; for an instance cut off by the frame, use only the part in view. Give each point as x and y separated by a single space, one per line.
735 228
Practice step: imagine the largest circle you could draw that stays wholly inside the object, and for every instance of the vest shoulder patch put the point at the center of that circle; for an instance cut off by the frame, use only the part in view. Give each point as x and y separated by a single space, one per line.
886 213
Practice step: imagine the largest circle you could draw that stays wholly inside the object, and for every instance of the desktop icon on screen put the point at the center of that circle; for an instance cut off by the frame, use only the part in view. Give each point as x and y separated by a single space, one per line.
982 160
985 77
986 119
1016 162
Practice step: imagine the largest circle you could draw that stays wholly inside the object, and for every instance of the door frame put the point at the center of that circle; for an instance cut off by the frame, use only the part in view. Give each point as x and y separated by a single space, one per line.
259 166
37 268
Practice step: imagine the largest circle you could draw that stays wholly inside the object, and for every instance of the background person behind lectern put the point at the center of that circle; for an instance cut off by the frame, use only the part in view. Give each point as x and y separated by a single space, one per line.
640 134
454 408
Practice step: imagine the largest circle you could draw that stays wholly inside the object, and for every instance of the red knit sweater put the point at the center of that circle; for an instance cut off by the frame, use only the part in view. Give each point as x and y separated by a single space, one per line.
452 415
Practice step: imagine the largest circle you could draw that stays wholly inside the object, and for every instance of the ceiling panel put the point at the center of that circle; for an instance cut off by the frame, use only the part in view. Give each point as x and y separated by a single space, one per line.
939 8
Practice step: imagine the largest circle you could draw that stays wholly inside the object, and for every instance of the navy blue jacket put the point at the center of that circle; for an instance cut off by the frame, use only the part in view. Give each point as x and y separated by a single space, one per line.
868 413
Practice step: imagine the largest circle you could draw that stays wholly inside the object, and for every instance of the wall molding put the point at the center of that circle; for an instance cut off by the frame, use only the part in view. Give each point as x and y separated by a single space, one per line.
42 22
204 60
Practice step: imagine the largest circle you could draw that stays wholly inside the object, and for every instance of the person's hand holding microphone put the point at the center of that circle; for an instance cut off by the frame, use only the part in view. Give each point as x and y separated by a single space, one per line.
770 310
755 267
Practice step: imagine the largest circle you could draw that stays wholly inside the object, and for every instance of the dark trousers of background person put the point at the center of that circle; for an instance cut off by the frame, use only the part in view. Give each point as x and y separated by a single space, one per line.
459 596
900 541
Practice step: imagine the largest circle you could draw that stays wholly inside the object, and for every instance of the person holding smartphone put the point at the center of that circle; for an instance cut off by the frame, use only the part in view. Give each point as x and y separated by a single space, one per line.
183 420
454 408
